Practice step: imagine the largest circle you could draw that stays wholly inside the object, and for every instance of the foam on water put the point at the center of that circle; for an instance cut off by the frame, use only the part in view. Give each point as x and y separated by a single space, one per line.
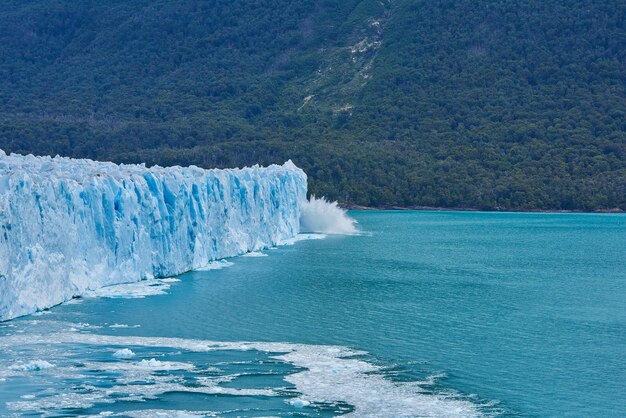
325 375
363 385
322 216
159 413
145 364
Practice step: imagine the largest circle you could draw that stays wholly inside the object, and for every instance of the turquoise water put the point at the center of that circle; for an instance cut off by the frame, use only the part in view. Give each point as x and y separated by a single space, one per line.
427 313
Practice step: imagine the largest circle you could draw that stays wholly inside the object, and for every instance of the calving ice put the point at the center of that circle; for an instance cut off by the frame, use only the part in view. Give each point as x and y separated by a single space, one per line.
68 226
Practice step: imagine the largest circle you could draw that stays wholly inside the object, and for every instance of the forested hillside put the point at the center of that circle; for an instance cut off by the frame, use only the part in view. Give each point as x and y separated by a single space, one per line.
468 103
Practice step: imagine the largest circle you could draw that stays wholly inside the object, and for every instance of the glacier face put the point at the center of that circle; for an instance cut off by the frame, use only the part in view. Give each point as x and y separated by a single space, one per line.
68 226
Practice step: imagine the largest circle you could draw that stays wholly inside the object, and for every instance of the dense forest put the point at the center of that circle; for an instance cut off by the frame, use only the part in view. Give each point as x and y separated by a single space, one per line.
496 105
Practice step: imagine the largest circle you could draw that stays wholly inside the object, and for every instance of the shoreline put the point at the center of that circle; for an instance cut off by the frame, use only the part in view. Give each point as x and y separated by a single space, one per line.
444 209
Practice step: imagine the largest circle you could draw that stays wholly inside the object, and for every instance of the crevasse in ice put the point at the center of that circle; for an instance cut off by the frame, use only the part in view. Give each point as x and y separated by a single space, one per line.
68 225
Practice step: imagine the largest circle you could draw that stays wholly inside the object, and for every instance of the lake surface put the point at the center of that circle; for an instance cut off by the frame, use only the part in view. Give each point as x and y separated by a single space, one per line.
424 314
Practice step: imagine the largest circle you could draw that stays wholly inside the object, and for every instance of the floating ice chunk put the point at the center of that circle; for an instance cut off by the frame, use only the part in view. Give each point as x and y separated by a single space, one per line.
74 301
170 280
124 326
141 289
299 403
124 353
216 265
154 364
32 366
302 237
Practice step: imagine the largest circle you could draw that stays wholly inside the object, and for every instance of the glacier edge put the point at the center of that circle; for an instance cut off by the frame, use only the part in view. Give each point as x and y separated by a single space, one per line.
68 225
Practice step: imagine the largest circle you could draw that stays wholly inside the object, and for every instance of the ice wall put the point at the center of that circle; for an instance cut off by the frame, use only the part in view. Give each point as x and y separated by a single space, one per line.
68 226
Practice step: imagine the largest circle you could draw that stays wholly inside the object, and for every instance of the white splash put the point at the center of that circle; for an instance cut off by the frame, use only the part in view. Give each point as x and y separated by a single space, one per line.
322 216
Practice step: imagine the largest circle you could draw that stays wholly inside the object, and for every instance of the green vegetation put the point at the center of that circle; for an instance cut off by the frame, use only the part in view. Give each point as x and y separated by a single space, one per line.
482 104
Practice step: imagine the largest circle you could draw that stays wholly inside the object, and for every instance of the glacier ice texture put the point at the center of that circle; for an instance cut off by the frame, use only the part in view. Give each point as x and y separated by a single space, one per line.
68 226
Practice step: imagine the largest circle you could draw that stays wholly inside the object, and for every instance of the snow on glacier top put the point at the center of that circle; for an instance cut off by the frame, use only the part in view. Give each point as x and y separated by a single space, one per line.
81 169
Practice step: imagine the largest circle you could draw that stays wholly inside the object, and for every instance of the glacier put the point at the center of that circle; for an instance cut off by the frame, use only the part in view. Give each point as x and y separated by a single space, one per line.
69 226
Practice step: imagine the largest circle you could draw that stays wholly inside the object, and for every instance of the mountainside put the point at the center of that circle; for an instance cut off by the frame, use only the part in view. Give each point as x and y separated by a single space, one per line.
482 104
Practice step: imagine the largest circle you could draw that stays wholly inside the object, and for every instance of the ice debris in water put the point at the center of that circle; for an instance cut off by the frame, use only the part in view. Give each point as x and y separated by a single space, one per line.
325 375
68 226
124 353
216 265
32 366
299 403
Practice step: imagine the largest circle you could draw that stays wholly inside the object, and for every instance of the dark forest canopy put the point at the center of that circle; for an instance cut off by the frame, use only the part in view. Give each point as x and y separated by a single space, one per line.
465 104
